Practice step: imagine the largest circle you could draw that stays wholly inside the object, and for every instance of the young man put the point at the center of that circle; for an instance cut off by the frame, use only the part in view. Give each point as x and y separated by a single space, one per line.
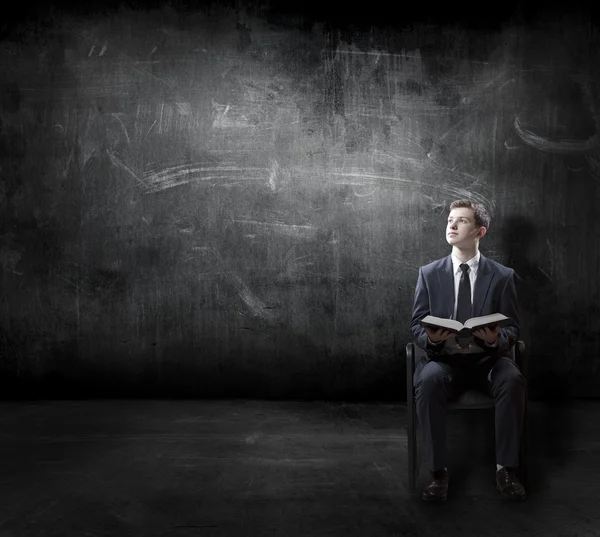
462 285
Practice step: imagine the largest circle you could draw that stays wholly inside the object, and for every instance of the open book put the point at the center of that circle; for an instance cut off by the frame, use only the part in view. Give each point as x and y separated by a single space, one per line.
496 319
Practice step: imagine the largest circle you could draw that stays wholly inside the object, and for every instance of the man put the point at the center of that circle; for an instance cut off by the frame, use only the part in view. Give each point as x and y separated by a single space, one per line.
462 285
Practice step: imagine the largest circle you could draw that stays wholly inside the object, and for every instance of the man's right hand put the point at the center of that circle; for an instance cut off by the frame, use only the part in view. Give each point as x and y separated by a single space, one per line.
439 335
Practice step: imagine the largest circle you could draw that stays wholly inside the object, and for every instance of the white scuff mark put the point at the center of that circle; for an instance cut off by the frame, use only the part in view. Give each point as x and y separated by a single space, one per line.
373 176
151 126
89 36
495 79
177 171
185 109
563 146
132 64
294 230
91 50
120 164
73 283
431 153
153 189
116 116
363 195
153 50
453 128
545 273
256 306
379 53
69 160
594 164
179 175
297 265
507 82
224 120
388 474
273 174
103 50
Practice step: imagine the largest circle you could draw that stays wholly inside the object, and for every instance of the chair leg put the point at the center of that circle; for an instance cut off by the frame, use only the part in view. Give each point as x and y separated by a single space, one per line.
411 417
412 448
524 451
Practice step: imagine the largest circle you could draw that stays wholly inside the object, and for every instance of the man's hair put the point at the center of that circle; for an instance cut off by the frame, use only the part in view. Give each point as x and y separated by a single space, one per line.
482 218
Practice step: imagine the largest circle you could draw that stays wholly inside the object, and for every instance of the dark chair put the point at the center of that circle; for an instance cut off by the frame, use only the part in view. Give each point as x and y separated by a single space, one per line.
467 400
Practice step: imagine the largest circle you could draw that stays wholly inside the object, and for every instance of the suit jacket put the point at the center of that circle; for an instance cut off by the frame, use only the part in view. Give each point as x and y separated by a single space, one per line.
494 292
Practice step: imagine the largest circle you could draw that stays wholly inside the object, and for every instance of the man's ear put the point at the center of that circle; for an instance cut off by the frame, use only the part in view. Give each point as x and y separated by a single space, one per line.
482 232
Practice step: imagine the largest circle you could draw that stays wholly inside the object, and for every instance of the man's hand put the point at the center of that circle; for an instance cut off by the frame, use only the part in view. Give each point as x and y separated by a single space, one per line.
487 334
439 335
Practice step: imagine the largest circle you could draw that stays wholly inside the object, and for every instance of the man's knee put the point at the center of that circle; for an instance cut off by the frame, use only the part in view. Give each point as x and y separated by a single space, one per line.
432 379
508 378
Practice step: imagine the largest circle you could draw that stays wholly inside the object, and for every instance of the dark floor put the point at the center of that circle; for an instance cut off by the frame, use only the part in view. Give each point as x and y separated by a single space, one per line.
248 468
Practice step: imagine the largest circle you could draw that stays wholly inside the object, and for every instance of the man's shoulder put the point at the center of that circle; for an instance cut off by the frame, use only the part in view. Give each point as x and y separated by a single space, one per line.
435 265
498 267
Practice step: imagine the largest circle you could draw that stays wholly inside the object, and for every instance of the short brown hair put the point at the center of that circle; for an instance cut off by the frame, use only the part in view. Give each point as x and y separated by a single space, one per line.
482 217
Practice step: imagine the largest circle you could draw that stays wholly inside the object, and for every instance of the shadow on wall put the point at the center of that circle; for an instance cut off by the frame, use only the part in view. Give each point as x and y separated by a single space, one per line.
551 428
538 305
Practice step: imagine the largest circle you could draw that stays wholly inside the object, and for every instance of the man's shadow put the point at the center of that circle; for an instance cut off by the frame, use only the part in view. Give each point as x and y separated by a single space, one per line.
550 423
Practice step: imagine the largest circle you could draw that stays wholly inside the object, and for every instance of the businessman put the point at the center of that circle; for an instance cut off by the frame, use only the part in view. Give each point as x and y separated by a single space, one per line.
462 285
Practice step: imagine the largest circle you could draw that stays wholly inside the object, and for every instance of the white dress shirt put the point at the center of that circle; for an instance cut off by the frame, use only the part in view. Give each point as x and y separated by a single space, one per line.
473 266
451 347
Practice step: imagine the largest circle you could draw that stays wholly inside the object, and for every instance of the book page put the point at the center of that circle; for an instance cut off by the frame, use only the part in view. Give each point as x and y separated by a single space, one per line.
439 322
485 319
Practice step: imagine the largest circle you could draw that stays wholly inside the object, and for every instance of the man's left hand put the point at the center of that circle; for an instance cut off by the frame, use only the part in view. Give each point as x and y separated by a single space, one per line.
490 336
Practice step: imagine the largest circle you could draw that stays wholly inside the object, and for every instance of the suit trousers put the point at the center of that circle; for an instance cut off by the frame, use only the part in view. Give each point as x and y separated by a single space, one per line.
440 380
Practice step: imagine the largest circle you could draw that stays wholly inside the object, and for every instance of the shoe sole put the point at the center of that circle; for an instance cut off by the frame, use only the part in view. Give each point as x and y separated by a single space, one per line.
510 498
434 499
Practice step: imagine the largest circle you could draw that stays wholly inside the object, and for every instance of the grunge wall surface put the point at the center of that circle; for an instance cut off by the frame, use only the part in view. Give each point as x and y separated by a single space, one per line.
235 202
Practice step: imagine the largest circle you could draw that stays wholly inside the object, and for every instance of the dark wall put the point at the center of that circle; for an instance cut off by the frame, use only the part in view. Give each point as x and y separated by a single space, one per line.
235 201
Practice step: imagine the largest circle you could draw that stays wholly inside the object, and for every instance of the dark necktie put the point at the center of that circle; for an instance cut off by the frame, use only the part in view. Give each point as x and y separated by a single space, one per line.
463 308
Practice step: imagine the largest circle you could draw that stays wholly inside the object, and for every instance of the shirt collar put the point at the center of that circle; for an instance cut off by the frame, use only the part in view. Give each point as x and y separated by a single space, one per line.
473 263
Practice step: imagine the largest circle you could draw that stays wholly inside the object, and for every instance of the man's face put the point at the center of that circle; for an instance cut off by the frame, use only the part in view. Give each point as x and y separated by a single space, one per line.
461 229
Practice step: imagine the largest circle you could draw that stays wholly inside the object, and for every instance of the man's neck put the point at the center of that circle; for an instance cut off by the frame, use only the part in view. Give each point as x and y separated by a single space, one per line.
464 254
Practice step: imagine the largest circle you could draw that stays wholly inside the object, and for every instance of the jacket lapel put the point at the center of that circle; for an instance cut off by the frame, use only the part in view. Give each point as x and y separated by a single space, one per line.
446 287
482 284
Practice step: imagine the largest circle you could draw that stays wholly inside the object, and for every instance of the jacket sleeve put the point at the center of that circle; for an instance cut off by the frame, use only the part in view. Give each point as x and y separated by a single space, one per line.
508 335
421 310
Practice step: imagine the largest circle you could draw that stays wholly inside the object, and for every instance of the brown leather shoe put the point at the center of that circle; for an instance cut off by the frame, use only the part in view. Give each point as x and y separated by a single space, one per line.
436 489
509 486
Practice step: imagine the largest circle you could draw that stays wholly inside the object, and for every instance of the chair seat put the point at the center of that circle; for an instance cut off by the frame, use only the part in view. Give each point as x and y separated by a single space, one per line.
472 399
